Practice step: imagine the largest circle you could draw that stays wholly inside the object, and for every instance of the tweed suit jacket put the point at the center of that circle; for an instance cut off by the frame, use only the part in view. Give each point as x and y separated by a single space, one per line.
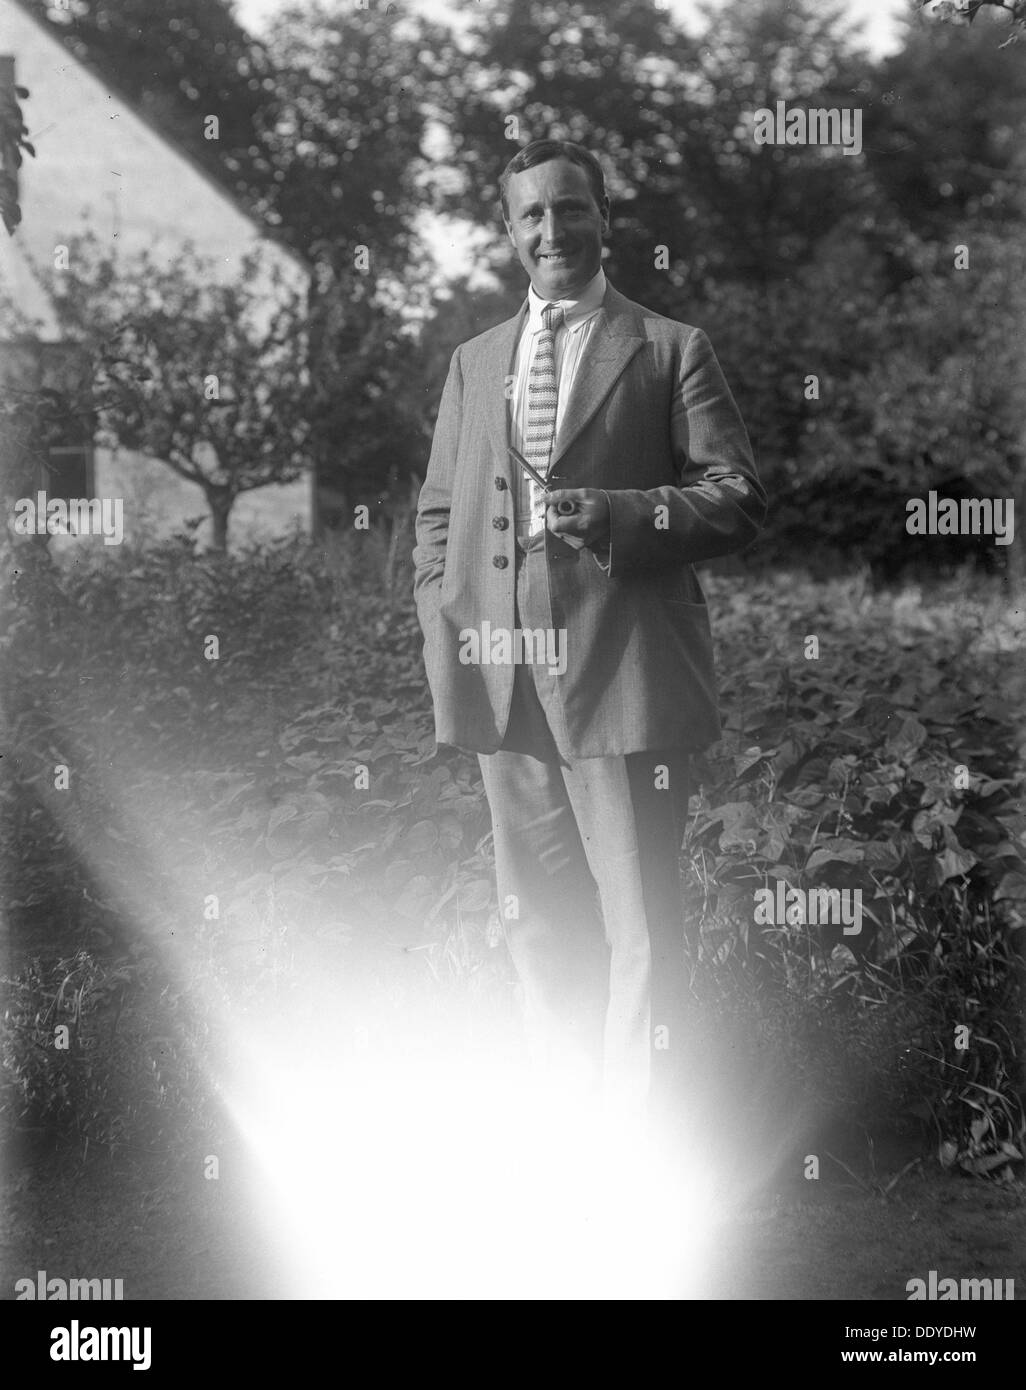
639 659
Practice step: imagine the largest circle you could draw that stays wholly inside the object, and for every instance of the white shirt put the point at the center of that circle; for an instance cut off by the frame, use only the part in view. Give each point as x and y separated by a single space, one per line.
571 341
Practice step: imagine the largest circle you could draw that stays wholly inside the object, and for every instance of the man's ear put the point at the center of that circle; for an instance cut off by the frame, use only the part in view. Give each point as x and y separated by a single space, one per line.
509 231
605 216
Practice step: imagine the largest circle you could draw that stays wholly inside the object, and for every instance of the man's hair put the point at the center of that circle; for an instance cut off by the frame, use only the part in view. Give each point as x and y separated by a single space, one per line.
541 152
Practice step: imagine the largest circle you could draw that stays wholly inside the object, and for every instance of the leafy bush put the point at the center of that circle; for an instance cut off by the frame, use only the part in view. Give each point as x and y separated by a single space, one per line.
916 388
846 771
295 780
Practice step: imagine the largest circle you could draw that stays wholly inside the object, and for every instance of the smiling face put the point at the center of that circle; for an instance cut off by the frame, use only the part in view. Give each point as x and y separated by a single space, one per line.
556 227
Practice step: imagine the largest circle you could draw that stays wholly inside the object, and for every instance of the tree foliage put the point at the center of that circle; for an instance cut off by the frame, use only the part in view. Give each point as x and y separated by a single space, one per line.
671 117
13 140
208 377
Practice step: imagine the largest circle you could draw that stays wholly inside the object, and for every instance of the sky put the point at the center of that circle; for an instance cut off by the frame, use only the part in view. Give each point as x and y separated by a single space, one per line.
878 16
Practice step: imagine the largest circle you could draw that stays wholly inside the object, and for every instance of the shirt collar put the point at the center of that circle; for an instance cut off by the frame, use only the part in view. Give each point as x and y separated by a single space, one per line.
575 311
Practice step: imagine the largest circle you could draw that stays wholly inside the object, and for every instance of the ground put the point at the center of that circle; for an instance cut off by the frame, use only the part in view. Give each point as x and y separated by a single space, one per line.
826 1240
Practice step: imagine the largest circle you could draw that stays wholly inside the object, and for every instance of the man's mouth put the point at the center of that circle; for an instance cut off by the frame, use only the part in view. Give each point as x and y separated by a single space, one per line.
554 256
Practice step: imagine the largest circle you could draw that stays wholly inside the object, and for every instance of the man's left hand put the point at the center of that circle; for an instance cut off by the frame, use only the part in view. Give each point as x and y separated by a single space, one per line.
589 520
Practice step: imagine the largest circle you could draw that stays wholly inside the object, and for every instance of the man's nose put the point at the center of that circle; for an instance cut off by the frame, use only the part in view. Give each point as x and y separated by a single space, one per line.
551 225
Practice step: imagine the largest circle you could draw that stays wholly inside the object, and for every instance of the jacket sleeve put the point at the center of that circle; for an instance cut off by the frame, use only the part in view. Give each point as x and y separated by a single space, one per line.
718 505
436 498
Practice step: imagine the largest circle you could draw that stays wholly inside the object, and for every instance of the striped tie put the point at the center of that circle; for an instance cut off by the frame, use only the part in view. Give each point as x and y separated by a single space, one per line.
542 398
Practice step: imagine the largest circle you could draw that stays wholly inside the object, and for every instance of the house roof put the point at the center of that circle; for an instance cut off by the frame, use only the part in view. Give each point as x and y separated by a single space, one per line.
261 228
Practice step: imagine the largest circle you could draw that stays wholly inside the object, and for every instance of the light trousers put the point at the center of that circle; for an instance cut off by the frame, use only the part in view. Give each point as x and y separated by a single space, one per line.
587 863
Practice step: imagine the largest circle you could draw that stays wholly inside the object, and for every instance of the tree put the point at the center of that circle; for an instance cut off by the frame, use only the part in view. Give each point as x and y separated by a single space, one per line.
940 407
943 122
347 150
458 313
13 133
363 399
672 118
346 143
201 375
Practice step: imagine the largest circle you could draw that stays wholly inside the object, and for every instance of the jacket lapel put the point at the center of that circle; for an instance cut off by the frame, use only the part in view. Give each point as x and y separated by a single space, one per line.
499 367
617 337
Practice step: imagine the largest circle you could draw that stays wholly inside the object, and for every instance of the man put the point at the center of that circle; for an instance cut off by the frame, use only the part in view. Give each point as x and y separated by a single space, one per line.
567 640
